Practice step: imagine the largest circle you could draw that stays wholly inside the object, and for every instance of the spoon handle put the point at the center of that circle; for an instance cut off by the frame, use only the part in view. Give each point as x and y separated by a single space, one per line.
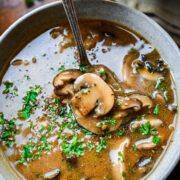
72 17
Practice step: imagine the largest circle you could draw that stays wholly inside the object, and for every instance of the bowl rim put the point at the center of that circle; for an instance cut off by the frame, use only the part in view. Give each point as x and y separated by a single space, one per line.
172 164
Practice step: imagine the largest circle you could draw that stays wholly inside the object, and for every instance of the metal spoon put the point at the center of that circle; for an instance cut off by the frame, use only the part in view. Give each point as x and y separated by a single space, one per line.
72 17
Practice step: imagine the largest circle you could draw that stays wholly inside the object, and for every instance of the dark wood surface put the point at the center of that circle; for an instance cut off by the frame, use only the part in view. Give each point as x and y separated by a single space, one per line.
11 10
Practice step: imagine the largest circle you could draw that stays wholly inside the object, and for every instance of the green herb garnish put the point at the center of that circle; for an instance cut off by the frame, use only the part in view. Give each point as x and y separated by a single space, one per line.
153 131
144 129
102 145
29 102
82 67
131 51
124 175
156 110
120 157
156 140
15 91
75 147
135 147
29 2
161 84
131 171
103 72
8 85
87 132
27 77
62 68
120 133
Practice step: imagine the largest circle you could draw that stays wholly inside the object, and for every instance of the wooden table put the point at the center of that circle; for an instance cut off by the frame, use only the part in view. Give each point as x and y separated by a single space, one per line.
11 10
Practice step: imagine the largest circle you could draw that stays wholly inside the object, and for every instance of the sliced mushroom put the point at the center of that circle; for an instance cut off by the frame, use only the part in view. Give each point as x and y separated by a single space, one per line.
110 78
142 77
117 158
159 98
98 95
65 90
149 75
63 82
145 144
154 122
127 71
128 103
144 164
52 174
146 100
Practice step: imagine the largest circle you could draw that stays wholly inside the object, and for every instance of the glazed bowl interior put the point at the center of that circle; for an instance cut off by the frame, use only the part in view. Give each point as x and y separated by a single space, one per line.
51 15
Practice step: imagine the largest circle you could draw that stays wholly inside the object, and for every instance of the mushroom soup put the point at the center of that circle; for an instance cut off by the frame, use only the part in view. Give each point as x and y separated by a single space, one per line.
60 120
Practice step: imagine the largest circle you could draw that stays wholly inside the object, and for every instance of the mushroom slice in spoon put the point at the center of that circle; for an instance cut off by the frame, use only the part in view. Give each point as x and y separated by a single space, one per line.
63 81
99 125
97 94
117 158
146 100
109 77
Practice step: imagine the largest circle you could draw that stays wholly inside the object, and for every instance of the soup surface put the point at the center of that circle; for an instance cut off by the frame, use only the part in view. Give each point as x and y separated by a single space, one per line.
59 120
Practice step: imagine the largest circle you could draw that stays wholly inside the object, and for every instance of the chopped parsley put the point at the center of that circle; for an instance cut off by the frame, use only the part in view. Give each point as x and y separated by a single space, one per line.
103 72
119 104
82 67
29 2
120 157
33 151
102 145
153 131
124 175
111 121
82 92
86 132
62 68
156 140
156 110
74 147
135 147
161 84
131 51
15 91
56 100
8 130
90 146
50 129
44 139
8 85
29 102
27 77
131 171
120 133
144 129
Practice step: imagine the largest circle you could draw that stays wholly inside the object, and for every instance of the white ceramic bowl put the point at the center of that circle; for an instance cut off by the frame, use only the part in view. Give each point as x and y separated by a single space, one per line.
52 14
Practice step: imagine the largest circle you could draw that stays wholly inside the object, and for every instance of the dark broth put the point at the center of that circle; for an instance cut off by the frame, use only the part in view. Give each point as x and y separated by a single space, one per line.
33 143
